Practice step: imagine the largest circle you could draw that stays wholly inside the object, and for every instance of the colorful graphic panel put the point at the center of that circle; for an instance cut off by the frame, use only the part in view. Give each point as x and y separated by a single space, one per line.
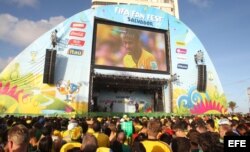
21 81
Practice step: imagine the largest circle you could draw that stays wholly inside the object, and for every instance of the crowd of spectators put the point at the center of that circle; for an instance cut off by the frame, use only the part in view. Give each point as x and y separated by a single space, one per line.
109 134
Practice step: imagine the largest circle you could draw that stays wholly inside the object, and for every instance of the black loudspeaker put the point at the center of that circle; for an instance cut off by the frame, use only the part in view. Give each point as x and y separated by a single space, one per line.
49 66
202 78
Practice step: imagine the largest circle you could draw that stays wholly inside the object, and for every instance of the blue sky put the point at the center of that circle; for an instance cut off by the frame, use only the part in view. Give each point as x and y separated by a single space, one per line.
222 26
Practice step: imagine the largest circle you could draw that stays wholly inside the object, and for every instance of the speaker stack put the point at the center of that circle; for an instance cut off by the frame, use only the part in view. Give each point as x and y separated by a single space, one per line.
202 78
49 66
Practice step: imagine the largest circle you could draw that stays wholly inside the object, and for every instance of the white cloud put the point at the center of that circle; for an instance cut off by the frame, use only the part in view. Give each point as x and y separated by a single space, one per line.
21 32
4 62
23 3
201 3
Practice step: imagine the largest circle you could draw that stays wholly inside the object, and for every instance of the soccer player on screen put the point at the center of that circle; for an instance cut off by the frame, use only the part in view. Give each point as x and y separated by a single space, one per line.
136 56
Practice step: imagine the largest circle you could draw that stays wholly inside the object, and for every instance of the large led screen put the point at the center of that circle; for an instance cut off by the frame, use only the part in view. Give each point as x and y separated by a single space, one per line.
129 47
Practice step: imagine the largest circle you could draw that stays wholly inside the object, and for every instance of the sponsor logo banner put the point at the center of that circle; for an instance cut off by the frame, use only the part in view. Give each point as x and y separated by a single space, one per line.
182 66
76 42
78 25
77 33
181 51
180 43
182 57
76 52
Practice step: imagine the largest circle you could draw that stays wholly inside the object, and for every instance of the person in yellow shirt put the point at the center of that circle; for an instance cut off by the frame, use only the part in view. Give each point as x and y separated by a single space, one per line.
153 144
102 139
137 56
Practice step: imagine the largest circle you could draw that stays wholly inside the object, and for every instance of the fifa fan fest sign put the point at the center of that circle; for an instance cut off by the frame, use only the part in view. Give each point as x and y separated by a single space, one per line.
90 43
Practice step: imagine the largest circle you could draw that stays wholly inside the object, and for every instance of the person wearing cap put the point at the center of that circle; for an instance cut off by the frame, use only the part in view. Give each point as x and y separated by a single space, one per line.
66 134
75 140
224 127
137 56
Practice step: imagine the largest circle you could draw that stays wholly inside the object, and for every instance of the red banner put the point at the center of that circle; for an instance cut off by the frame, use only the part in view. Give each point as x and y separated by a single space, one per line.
76 42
